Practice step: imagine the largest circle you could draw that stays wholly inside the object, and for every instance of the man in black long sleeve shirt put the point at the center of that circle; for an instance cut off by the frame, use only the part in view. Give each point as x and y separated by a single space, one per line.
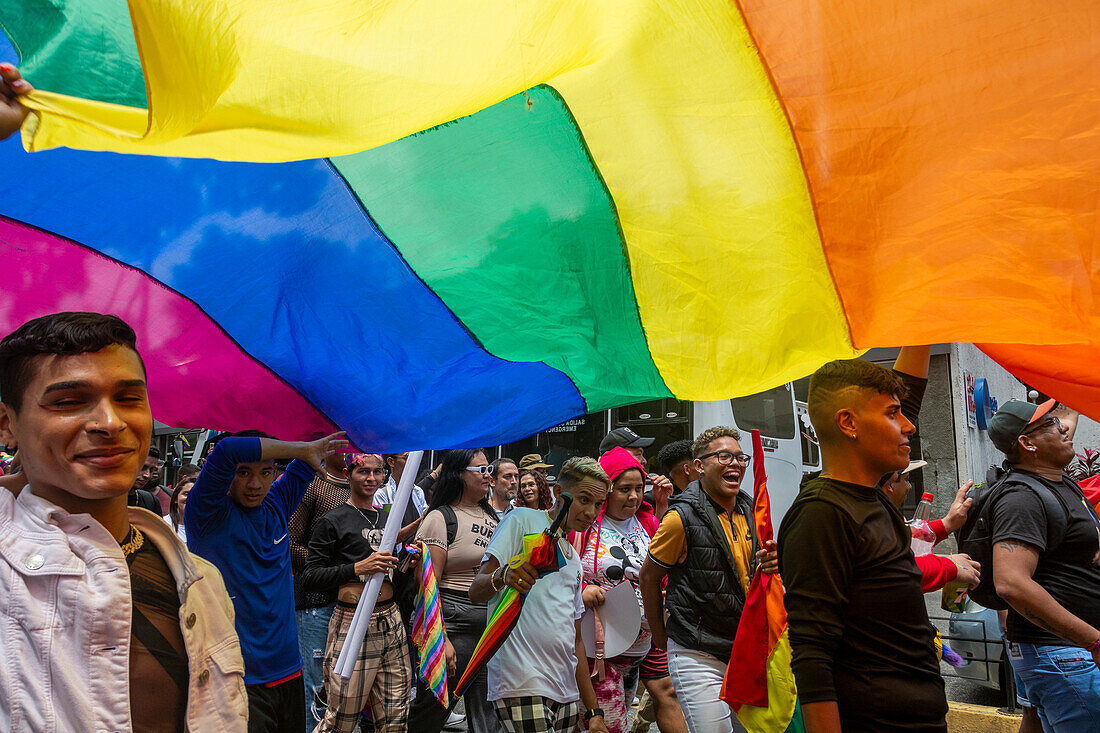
343 554
863 656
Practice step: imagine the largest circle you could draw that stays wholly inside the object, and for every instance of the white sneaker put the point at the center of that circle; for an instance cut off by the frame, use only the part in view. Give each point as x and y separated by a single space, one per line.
457 720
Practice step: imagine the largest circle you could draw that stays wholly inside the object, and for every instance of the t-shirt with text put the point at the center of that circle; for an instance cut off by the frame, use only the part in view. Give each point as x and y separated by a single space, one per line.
475 527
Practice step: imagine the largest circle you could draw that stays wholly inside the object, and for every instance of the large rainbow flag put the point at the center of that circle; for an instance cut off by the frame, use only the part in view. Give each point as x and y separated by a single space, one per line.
759 684
382 215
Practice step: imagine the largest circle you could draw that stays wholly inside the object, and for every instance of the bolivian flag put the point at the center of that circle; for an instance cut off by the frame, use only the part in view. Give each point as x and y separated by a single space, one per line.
759 684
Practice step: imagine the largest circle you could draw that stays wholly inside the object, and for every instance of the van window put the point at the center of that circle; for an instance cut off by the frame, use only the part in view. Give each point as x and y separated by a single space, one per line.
771 412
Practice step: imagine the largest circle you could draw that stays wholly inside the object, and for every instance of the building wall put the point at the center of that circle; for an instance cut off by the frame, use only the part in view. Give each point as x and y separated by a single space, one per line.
1087 435
937 434
975 452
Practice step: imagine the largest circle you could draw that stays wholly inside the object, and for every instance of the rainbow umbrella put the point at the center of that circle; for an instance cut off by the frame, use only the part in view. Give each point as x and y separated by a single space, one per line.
541 550
759 684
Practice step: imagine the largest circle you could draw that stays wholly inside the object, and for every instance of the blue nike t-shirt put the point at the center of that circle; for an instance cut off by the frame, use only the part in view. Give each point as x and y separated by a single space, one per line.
250 548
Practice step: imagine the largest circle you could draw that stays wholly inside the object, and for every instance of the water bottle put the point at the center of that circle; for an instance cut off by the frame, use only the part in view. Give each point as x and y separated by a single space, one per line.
923 536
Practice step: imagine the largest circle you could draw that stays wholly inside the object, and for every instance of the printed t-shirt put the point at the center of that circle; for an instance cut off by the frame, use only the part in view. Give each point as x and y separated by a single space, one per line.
669 546
1066 571
158 657
464 555
340 539
539 657
617 552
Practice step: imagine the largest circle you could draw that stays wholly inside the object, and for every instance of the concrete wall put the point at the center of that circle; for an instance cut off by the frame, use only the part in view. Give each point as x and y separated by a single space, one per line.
937 434
1087 435
974 450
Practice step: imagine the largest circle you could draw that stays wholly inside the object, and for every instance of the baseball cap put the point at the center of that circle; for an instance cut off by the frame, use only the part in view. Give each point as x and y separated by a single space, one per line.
624 438
1011 420
532 460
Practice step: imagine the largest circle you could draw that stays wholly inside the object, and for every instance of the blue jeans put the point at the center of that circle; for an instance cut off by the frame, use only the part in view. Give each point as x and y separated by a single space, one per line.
312 635
1062 682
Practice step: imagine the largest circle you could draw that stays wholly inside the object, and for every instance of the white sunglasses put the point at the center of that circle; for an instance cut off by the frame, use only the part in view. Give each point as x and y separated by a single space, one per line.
483 470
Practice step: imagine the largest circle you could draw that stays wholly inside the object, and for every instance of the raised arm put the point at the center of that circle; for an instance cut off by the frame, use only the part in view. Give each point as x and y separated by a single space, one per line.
12 112
913 360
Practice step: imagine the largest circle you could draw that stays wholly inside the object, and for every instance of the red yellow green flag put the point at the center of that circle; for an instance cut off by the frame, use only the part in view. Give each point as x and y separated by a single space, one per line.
759 684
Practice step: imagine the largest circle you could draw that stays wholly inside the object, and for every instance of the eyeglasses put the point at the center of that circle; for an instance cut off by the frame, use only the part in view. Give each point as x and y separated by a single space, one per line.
1046 423
483 470
726 458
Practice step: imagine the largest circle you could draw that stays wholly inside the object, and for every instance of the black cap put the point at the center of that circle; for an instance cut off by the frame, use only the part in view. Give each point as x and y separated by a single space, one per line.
624 438
1011 420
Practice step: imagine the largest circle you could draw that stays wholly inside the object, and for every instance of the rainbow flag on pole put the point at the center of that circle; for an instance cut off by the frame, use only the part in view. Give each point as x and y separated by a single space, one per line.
427 631
759 684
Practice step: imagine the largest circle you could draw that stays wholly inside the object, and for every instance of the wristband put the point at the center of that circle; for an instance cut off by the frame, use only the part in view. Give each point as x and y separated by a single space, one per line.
589 714
1093 646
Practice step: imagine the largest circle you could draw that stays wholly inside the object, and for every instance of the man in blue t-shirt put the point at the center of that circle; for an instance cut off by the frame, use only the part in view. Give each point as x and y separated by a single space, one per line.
237 515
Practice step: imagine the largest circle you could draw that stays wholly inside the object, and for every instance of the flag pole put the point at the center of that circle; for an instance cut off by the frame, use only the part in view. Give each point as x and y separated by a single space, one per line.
353 643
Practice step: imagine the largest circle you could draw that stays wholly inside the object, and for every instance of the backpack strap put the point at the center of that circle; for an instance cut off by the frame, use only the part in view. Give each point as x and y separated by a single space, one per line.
1053 506
451 520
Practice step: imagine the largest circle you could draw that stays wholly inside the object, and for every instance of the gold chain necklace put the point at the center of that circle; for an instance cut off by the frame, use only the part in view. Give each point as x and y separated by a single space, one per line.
371 523
134 540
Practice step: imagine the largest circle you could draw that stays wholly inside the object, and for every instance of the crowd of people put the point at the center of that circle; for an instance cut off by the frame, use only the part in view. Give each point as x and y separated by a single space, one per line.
224 603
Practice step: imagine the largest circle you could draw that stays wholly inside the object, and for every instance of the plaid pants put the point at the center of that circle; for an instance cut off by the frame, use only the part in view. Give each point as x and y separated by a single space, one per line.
537 715
382 675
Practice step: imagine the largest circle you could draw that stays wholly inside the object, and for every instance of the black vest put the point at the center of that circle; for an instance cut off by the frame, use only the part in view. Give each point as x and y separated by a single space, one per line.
704 597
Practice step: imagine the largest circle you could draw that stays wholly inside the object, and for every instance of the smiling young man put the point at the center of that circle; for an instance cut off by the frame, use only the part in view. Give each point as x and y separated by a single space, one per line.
1046 541
237 517
539 678
863 656
101 604
706 546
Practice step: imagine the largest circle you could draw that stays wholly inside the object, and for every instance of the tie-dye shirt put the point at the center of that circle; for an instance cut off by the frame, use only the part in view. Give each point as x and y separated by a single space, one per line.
618 552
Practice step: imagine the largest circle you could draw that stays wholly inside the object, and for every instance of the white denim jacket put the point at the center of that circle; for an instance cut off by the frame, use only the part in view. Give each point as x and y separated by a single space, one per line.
65 638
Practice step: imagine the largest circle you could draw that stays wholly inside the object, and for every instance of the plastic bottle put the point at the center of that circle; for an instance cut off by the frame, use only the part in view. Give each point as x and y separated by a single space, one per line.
923 536
954 597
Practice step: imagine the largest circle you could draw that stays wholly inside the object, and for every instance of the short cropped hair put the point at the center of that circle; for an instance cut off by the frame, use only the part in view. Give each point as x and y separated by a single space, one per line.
673 454
708 436
843 374
578 468
187 469
154 452
59 334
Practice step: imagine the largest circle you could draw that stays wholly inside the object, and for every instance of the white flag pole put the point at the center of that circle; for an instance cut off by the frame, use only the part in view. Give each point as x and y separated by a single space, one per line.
353 643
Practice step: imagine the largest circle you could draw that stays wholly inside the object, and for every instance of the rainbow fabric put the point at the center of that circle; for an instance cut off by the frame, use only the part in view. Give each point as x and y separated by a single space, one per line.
547 208
542 552
759 684
427 631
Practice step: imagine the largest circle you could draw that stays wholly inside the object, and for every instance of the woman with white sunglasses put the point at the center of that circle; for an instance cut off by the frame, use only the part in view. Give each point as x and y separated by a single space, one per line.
456 530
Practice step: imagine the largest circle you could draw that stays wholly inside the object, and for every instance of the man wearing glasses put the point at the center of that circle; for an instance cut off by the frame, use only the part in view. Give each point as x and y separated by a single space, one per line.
706 546
1045 553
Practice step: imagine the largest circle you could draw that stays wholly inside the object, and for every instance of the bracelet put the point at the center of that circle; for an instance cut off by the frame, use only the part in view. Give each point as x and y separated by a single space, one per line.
493 582
589 714
1093 646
